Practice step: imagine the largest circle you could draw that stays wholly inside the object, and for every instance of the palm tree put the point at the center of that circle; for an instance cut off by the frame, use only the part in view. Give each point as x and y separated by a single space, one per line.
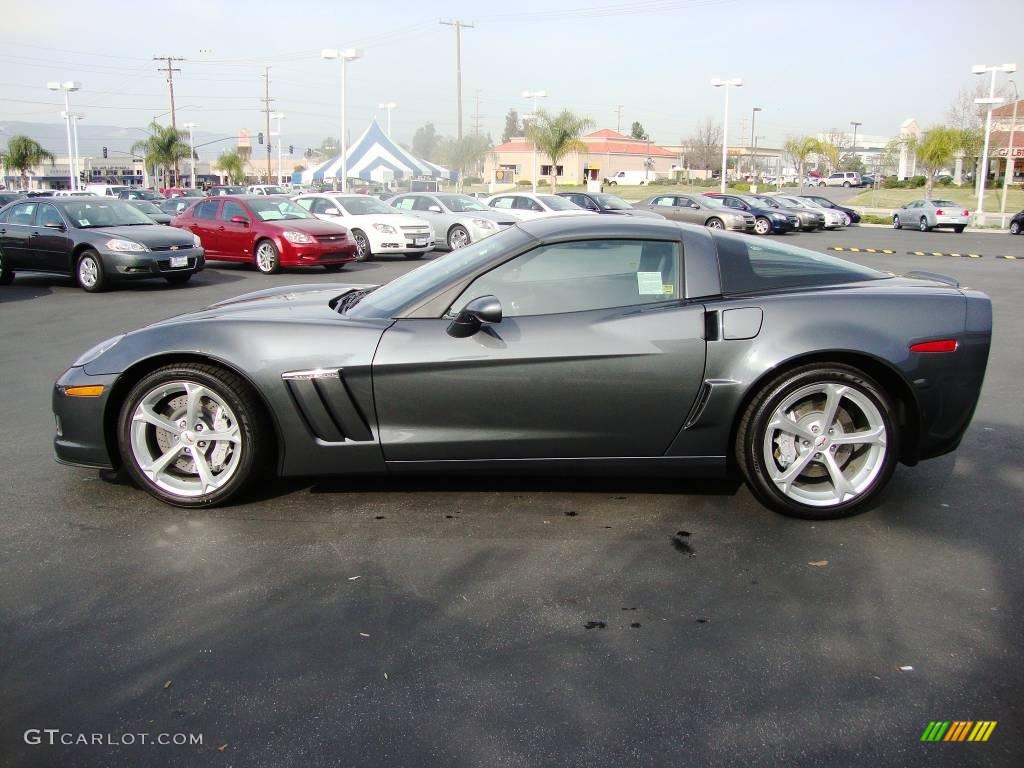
24 153
165 146
800 148
232 163
935 150
556 136
462 154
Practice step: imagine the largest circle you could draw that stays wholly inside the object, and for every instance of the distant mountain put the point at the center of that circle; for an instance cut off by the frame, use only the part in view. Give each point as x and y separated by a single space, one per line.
92 138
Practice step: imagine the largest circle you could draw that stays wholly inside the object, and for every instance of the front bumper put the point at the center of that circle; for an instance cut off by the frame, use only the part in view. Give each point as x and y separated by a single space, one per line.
402 242
81 437
741 225
780 227
313 254
141 265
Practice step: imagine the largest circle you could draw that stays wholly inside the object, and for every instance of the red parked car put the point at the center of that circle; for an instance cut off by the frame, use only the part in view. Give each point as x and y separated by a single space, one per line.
271 232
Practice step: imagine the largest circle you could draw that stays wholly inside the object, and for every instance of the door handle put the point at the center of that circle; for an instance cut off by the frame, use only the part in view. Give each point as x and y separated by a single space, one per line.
220 229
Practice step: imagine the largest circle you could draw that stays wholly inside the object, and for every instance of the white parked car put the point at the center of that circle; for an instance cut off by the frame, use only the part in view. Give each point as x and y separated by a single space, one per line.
106 190
639 178
833 218
458 220
265 189
376 228
523 206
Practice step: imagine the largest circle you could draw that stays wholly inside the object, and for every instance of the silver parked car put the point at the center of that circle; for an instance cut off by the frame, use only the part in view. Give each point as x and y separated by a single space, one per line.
697 209
833 219
927 215
458 220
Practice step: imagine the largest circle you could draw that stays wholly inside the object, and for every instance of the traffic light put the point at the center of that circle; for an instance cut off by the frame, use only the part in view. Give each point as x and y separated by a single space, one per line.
291 149
259 137
104 153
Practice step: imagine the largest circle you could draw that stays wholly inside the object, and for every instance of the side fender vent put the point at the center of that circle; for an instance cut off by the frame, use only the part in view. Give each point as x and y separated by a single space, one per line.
327 405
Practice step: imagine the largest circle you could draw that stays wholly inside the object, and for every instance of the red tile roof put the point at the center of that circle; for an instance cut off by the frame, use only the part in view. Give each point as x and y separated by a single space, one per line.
602 142
606 133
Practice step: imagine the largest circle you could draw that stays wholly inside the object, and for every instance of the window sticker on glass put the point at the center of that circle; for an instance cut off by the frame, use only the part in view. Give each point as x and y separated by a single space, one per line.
83 222
669 289
649 283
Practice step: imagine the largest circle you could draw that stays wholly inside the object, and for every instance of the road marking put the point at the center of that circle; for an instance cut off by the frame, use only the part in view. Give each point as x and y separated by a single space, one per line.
941 253
1011 258
842 249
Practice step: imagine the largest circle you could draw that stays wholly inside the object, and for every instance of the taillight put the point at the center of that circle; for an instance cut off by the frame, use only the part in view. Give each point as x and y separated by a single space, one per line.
966 212
938 212
945 345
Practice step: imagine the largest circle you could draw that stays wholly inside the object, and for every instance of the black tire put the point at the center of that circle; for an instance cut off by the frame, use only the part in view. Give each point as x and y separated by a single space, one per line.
959 228
179 279
334 267
254 427
714 223
6 275
414 256
896 224
89 272
270 264
1014 230
922 225
364 252
750 438
821 183
846 184
458 237
612 183
762 226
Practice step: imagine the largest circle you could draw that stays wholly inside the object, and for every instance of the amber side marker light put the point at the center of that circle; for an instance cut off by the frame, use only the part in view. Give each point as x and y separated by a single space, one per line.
89 390
945 345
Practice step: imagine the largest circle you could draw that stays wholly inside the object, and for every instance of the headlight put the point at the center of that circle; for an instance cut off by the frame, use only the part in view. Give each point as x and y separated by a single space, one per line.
779 216
124 245
484 223
196 242
387 229
91 354
296 237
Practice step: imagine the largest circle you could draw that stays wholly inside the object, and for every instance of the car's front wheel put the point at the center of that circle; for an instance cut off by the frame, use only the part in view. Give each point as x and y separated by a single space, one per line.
715 223
458 237
268 260
192 434
89 272
7 276
818 442
363 250
762 226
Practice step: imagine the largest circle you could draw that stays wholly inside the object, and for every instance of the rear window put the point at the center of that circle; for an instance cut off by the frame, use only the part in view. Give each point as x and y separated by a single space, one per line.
751 266
945 204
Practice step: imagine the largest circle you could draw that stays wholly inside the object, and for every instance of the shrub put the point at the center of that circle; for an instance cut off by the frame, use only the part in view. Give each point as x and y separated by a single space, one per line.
870 218
524 183
472 180
891 182
945 182
663 182
741 186
916 182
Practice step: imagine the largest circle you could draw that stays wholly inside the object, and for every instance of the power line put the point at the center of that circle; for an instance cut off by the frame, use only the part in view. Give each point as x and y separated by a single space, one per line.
459 25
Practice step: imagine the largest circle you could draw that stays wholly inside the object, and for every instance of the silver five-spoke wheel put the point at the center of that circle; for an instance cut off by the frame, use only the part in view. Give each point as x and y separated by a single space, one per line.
186 439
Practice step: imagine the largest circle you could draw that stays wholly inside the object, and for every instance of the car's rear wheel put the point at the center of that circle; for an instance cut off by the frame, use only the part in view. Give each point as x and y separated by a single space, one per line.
821 183
896 223
89 272
363 250
193 434
178 279
846 184
818 442
716 223
268 260
923 225
959 229
1014 229
762 226
7 276
458 237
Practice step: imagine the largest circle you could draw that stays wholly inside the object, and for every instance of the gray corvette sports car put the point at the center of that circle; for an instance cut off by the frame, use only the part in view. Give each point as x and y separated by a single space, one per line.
590 344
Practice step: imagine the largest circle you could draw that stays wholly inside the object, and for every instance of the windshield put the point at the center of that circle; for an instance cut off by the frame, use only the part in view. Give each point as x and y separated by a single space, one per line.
359 205
273 190
462 203
792 202
145 194
763 201
434 275
278 210
231 190
556 203
86 214
612 203
145 206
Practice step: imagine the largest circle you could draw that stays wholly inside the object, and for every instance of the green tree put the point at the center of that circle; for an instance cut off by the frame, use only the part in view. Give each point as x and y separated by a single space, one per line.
850 162
164 148
637 131
462 154
512 126
424 142
232 163
329 147
23 154
558 135
800 148
935 150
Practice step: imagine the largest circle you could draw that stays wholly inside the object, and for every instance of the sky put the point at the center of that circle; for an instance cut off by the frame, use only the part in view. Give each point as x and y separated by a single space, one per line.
811 67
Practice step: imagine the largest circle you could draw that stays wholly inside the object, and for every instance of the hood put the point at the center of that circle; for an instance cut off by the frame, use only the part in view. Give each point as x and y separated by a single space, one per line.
150 235
308 226
639 213
499 217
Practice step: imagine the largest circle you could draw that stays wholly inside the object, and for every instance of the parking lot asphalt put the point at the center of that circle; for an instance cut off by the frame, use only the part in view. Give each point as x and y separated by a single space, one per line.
506 622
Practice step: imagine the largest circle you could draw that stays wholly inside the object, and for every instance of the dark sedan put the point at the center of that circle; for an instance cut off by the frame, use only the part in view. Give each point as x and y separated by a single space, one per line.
97 240
1017 223
141 194
767 219
10 197
153 211
602 202
824 202
511 355
176 205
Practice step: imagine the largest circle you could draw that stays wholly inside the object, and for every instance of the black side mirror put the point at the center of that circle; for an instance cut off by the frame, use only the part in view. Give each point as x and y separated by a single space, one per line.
483 309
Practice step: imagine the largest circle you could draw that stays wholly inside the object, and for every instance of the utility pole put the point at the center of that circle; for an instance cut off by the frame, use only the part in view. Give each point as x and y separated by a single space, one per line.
476 114
618 118
170 70
266 109
459 26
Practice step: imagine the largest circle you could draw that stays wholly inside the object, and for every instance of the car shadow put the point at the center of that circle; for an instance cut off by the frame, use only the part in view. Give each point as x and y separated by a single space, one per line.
23 289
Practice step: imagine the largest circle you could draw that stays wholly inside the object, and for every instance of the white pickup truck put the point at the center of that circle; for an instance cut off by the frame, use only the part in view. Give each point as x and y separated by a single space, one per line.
631 177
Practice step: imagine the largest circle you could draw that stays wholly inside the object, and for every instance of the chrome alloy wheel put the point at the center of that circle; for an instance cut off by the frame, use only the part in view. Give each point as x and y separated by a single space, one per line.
185 438
825 444
88 272
459 238
266 257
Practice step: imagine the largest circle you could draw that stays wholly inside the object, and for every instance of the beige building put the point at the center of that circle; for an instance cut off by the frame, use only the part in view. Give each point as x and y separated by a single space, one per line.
607 153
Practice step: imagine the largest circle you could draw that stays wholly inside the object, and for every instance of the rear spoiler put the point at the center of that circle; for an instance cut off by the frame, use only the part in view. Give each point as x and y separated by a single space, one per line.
925 275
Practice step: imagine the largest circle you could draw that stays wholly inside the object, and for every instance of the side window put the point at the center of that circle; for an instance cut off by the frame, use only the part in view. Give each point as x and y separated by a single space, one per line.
502 202
732 202
306 202
320 205
48 216
422 203
231 209
205 210
669 201
684 201
526 204
23 214
581 276
405 203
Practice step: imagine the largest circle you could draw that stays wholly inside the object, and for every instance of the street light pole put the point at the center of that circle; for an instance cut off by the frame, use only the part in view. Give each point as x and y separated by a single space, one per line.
279 116
67 86
735 82
192 151
753 140
536 95
77 170
344 55
388 106
981 69
855 125
1010 160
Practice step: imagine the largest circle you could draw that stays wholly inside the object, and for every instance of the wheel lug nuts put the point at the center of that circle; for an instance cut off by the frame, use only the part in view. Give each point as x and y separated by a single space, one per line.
814 428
